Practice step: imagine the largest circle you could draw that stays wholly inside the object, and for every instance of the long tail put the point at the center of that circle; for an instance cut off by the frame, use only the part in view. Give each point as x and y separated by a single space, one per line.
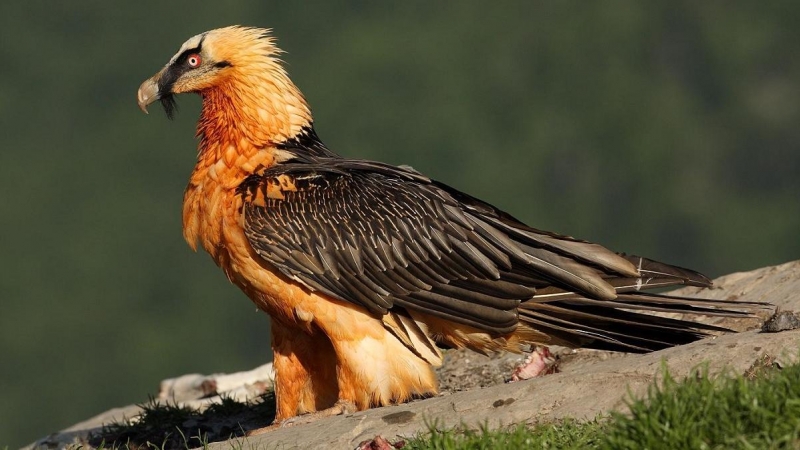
624 323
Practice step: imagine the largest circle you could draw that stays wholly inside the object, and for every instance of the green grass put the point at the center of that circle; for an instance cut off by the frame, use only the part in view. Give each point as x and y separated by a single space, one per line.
759 410
755 412
566 434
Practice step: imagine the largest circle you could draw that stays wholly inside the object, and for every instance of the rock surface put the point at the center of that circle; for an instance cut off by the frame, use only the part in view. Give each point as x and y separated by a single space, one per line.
474 392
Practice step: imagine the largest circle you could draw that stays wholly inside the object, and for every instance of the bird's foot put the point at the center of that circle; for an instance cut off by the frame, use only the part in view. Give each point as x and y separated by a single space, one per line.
341 407
539 362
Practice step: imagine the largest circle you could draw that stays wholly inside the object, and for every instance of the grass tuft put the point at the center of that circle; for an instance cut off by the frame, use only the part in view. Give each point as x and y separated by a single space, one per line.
168 426
757 411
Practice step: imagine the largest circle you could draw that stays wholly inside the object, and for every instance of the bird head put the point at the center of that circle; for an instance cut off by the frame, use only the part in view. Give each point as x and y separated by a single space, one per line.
200 64
244 86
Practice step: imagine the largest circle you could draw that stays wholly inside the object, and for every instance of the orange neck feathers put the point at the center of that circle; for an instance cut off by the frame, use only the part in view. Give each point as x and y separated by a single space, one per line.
255 105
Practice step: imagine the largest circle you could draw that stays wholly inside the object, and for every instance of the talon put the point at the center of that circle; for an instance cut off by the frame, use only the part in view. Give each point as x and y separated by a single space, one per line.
341 407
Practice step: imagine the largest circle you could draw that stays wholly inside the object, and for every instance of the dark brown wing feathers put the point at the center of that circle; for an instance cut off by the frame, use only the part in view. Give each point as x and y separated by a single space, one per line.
385 237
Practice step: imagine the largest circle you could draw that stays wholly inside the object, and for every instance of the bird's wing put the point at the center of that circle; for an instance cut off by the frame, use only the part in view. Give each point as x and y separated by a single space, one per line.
380 236
389 239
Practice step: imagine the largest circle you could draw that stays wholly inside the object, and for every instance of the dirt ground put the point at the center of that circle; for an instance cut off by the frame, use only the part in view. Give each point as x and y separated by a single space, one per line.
464 369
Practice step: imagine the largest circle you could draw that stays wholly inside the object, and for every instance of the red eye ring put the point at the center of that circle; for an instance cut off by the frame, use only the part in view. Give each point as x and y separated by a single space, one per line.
194 60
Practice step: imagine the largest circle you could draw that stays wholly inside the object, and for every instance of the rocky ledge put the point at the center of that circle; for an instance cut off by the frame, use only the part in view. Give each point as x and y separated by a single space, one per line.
475 389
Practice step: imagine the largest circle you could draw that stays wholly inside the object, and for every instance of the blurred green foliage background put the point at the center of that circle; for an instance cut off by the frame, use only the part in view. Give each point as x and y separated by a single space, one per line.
663 128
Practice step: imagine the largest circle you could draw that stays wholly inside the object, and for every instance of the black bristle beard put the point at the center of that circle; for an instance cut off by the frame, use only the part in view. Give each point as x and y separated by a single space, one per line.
169 104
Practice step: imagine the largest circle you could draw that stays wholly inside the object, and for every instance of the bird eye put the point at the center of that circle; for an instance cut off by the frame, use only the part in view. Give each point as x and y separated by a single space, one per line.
193 60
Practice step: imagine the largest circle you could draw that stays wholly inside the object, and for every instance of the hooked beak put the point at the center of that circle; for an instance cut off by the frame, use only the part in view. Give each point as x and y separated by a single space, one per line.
148 92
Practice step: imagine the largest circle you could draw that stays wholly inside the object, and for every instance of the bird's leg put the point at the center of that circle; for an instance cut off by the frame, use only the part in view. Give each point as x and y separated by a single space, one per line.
397 375
305 371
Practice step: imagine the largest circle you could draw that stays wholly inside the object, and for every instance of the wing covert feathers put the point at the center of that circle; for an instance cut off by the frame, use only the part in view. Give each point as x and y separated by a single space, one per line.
396 243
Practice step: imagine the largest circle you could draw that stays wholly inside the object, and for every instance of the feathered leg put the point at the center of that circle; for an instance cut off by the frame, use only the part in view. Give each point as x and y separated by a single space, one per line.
305 372
373 367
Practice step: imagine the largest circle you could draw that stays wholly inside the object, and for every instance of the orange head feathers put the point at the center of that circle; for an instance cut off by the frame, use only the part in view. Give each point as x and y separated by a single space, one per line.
242 81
